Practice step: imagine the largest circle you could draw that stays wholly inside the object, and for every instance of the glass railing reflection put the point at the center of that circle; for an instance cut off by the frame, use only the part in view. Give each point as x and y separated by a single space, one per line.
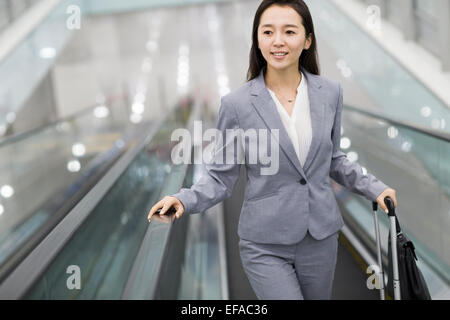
395 90
11 10
416 165
30 61
46 171
105 246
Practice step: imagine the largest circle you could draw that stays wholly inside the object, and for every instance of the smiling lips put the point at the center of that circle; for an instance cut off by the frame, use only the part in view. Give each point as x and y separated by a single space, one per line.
279 54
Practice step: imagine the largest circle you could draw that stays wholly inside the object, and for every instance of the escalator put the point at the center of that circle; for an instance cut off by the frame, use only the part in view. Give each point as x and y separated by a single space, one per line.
54 168
106 241
104 233
48 170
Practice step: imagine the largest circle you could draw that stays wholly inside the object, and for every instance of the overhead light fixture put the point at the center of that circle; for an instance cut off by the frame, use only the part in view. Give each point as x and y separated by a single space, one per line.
138 107
392 132
47 53
352 156
101 112
73 166
345 143
10 117
78 150
135 118
6 191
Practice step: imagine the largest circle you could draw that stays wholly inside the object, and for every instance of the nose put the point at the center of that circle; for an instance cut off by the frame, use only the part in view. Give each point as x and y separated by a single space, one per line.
278 39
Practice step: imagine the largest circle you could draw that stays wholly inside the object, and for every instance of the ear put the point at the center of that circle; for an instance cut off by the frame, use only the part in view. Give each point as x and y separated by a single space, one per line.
308 42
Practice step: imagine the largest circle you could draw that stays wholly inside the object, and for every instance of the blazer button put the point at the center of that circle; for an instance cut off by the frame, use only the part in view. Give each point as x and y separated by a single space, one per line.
302 182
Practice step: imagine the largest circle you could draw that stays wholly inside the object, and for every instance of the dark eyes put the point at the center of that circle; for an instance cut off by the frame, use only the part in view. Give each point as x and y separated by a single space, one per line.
289 32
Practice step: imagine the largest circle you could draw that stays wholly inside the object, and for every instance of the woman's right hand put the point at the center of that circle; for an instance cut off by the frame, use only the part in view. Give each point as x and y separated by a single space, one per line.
165 203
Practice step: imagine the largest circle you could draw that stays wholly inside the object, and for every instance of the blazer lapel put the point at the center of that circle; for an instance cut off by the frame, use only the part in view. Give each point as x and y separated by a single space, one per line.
317 109
266 108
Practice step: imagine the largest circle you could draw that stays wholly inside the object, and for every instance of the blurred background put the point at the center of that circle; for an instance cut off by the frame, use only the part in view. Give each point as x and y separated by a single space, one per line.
92 90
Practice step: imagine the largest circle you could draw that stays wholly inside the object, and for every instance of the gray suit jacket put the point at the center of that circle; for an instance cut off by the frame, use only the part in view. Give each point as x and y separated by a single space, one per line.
281 208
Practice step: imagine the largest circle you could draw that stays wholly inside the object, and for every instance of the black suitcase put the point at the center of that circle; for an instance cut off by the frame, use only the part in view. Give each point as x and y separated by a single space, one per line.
405 280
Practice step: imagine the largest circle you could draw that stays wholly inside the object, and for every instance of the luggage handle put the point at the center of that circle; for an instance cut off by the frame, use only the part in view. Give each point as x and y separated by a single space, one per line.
395 230
380 275
390 206
391 213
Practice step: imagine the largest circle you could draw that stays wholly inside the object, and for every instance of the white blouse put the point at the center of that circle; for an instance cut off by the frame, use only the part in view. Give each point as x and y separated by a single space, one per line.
298 126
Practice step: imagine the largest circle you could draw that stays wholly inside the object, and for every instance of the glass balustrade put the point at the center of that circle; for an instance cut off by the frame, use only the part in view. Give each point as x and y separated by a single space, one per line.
45 171
107 243
416 165
398 94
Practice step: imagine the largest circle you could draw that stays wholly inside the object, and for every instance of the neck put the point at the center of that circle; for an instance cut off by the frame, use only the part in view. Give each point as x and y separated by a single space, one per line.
287 79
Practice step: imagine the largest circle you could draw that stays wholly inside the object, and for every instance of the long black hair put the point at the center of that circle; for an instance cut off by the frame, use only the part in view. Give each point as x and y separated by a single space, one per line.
308 59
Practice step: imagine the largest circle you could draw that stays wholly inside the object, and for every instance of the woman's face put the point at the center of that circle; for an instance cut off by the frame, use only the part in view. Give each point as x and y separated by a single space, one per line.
281 31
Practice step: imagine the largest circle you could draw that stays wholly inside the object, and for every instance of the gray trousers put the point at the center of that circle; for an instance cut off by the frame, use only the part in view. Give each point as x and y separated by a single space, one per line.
302 271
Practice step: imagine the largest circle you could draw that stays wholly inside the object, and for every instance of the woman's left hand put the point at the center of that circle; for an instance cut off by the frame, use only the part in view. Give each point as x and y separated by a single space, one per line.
386 193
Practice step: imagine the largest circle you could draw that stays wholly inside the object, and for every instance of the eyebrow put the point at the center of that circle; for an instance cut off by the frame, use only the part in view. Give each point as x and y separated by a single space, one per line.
286 25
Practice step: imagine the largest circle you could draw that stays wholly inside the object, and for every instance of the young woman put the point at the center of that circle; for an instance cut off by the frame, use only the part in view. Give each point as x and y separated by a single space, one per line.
290 220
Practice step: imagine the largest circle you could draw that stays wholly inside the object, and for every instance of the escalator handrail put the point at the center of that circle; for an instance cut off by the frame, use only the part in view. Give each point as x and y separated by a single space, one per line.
426 131
134 276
